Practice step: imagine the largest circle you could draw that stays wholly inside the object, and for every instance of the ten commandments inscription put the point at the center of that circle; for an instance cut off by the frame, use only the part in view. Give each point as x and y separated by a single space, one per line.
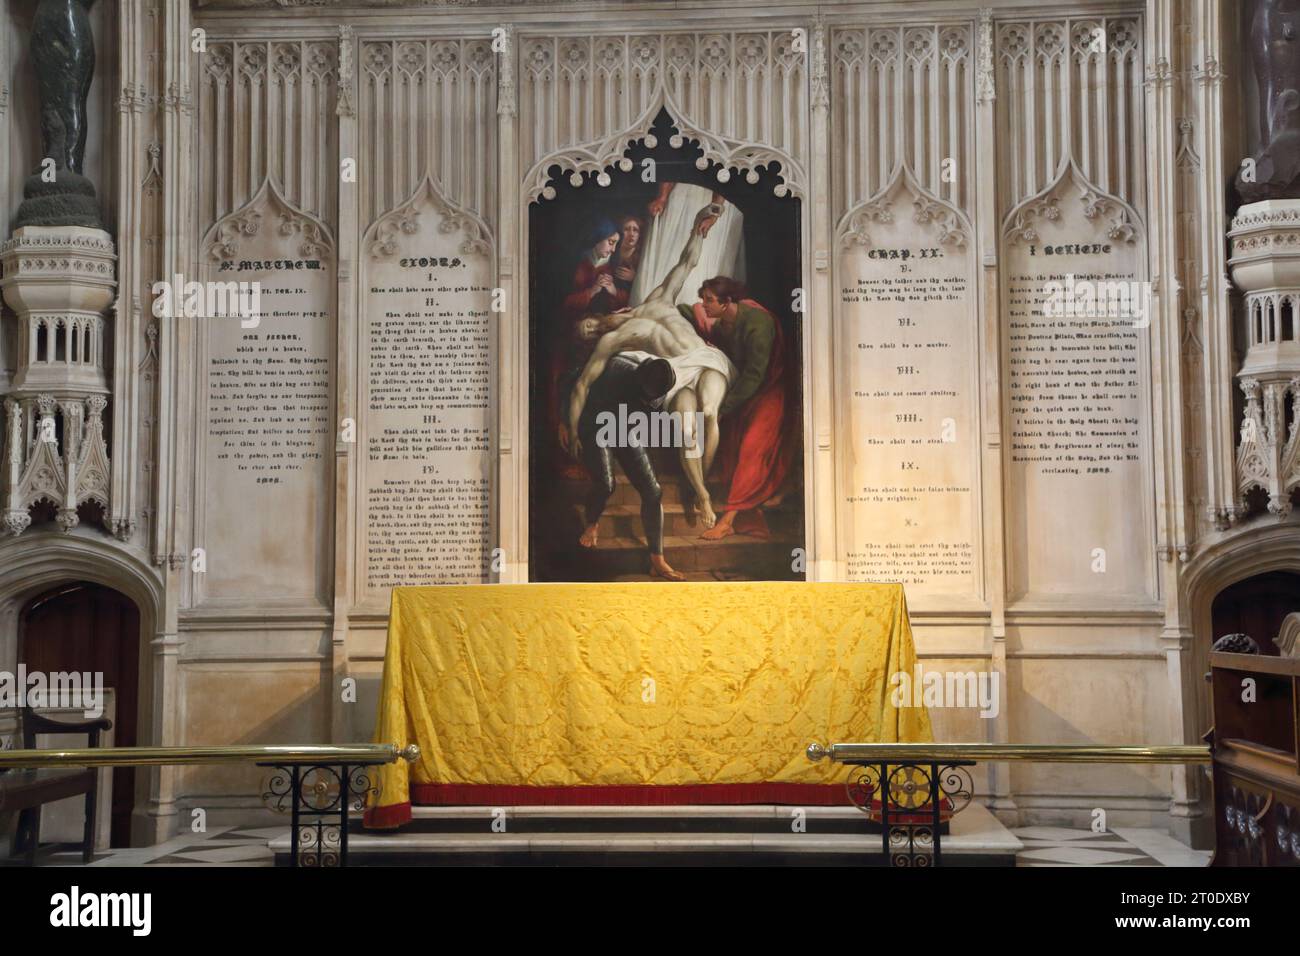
425 445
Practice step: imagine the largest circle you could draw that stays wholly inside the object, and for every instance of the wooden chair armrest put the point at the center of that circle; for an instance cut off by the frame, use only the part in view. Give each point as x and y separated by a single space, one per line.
34 723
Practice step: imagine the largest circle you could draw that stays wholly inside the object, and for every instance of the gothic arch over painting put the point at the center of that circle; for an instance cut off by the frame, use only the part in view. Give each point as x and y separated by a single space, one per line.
586 97
596 158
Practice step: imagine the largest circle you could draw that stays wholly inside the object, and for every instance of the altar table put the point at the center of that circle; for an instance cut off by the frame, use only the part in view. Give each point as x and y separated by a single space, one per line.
636 693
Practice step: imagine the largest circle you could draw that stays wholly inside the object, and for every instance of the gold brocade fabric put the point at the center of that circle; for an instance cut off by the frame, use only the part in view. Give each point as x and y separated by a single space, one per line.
617 684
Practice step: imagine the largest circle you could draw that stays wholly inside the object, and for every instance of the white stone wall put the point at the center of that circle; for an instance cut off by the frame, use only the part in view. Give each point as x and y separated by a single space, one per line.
245 153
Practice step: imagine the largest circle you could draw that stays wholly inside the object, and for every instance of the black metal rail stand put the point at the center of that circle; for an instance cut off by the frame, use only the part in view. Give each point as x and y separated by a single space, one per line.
319 799
910 805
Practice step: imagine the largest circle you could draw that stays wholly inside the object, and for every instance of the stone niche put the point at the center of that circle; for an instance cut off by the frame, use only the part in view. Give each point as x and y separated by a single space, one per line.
264 487
1076 392
907 341
424 445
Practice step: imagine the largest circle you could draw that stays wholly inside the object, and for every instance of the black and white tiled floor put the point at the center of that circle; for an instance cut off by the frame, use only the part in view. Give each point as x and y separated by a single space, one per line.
1125 846
1044 846
220 846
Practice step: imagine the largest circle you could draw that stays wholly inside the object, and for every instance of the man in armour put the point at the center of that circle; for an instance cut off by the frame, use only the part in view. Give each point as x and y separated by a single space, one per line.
656 328
631 385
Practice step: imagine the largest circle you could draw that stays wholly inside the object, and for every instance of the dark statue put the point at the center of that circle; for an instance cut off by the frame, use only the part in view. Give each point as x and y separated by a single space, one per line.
1274 56
63 51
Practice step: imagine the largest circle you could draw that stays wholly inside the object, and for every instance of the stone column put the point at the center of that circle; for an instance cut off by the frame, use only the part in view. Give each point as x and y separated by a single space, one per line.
512 339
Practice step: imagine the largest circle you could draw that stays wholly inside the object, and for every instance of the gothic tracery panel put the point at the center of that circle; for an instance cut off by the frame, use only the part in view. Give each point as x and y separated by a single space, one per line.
428 107
1071 88
733 90
901 96
267 109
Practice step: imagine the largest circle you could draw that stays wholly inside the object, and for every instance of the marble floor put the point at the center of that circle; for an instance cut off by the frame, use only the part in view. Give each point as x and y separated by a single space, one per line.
1044 846
1125 846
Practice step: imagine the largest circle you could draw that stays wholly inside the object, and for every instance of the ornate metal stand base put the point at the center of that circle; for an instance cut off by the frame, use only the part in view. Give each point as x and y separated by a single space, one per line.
913 802
319 798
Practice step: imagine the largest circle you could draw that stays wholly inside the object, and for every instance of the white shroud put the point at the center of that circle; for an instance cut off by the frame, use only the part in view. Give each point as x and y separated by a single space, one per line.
723 253
689 366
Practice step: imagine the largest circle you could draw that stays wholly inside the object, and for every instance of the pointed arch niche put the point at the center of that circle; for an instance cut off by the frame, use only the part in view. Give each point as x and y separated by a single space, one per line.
264 410
422 463
741 95
1077 310
907 347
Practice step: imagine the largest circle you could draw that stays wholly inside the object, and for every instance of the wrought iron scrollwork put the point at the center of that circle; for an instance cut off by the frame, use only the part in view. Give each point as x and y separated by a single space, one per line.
320 799
957 786
911 802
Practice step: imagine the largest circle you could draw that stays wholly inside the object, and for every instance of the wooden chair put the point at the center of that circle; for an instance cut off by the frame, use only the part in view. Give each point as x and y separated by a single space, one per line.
26 790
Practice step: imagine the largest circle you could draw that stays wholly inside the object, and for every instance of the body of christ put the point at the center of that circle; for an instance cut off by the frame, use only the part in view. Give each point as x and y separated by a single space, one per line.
656 328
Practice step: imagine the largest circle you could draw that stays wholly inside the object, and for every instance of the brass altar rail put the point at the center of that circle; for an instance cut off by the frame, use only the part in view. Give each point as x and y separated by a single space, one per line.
1040 753
344 754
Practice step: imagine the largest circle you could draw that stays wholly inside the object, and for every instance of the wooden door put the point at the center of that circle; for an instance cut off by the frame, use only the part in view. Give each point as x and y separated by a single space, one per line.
89 627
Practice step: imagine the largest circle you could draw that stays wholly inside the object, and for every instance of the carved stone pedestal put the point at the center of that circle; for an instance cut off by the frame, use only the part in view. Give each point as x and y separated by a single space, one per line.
59 280
1266 267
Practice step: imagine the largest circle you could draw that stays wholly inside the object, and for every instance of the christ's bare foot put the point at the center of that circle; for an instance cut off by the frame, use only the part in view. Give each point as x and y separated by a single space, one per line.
706 512
724 528
659 568
590 537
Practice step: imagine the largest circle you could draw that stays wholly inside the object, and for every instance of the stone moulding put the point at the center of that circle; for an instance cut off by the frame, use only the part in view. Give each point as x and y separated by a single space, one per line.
88 255
223 239
1265 233
951 225
384 236
1120 220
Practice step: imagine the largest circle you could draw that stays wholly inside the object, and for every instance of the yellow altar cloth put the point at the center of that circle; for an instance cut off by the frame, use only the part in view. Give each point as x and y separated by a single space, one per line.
516 689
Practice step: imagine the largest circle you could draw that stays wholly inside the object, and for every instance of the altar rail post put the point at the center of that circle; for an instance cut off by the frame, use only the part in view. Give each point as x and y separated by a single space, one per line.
913 788
321 784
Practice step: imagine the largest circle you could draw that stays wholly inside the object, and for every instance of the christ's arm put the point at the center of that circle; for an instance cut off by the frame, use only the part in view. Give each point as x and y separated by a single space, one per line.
671 287
608 345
